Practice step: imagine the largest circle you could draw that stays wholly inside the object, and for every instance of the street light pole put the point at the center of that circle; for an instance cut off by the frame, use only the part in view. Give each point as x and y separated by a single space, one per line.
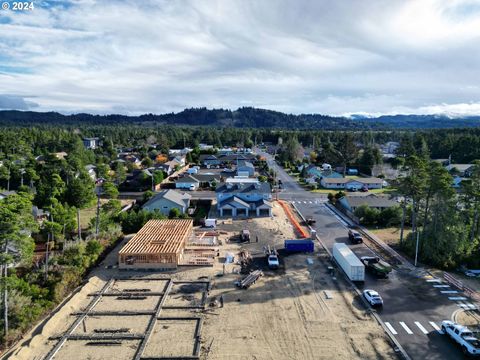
416 246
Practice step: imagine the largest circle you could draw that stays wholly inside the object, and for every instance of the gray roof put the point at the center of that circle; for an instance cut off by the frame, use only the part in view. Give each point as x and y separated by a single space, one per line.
187 179
234 188
234 201
459 167
242 163
369 180
206 177
370 200
171 195
6 193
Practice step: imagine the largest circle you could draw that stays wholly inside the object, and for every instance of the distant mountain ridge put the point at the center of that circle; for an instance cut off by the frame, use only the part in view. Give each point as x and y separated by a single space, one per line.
245 117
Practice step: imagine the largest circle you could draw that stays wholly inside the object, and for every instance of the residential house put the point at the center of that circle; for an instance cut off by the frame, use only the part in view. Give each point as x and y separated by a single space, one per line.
187 182
91 171
207 180
131 158
91 143
245 168
463 170
244 199
180 160
168 167
39 215
457 182
205 147
166 200
5 193
209 160
241 179
225 151
378 202
349 184
179 152
389 148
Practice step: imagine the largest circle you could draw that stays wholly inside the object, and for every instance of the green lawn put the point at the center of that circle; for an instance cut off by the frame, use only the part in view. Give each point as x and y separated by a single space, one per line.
324 191
371 191
86 215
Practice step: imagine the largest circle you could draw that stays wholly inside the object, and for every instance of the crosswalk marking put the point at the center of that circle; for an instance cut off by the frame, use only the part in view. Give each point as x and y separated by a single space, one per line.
449 292
467 305
434 280
435 326
420 326
407 329
441 286
456 298
390 327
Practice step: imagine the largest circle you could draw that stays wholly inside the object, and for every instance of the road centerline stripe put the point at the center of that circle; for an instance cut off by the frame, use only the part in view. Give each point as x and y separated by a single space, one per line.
456 298
441 286
449 292
434 280
390 327
420 326
407 329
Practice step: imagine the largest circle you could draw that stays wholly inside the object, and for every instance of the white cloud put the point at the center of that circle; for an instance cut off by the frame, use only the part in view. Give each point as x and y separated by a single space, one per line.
304 56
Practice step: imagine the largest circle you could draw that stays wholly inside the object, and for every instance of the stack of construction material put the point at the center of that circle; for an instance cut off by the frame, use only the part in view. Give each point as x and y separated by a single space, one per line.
250 279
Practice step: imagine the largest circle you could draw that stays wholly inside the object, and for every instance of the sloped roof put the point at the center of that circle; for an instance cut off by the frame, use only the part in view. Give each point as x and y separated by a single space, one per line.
187 179
370 180
234 201
459 167
233 188
171 195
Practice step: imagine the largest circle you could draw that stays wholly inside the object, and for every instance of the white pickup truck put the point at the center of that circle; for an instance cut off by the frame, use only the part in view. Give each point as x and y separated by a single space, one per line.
463 336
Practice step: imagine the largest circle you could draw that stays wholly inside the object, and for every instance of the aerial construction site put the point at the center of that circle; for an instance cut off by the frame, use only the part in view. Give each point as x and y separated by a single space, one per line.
298 310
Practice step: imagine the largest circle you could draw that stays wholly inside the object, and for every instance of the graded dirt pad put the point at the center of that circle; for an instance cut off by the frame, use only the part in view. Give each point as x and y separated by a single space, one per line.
178 334
132 324
284 315
80 349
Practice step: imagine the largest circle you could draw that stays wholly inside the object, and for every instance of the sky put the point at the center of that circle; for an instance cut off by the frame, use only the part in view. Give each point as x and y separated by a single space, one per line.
297 56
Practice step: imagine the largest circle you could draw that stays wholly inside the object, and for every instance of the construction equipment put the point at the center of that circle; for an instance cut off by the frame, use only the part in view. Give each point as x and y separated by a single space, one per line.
245 235
250 279
245 261
377 266
272 257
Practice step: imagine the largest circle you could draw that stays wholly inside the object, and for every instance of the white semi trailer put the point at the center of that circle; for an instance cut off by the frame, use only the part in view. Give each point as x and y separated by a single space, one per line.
349 262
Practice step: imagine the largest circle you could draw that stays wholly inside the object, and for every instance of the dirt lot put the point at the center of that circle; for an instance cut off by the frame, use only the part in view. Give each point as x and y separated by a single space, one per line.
285 315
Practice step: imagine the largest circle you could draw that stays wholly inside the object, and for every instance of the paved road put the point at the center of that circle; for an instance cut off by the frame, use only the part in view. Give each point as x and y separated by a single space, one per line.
414 305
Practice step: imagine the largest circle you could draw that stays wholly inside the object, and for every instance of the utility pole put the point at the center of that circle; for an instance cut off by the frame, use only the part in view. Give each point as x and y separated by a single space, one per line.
5 293
416 246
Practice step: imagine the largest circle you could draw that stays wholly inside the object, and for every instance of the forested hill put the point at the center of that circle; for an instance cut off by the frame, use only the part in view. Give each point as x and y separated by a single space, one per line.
242 118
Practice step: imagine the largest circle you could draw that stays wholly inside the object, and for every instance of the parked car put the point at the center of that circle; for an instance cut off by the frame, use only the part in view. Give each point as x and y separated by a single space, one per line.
355 237
364 189
373 297
463 336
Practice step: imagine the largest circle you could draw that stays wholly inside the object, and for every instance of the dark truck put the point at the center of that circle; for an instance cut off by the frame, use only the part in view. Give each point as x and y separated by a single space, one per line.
377 266
355 237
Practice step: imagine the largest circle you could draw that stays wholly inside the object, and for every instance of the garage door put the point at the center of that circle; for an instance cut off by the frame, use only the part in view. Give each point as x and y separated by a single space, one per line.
264 212
241 212
227 212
